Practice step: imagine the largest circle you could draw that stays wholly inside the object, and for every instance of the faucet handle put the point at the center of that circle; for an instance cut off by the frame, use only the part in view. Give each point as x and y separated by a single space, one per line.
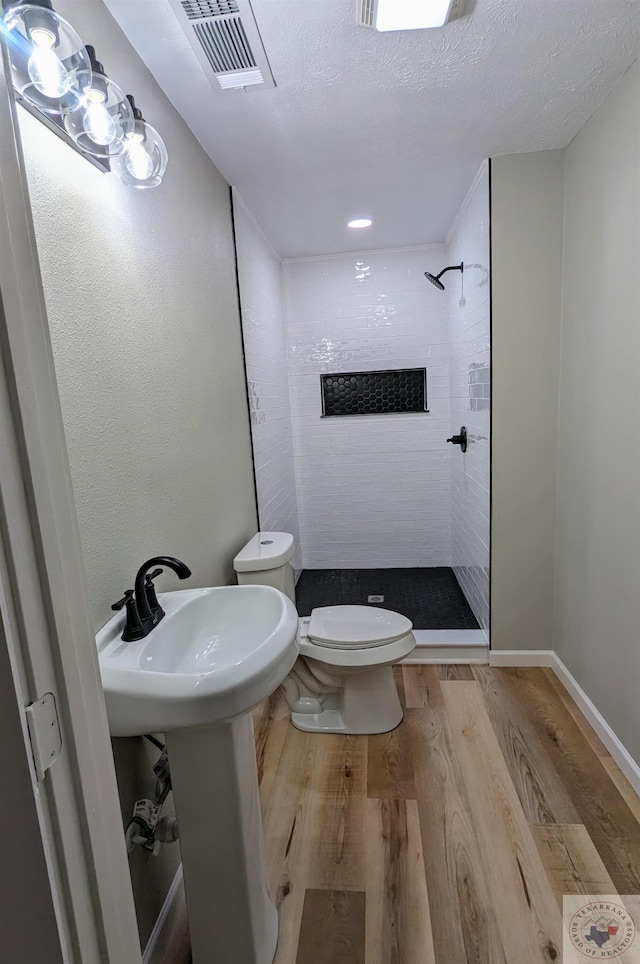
133 627
150 590
117 606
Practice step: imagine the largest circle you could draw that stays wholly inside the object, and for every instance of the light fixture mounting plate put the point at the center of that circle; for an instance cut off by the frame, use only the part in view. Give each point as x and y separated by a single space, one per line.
399 15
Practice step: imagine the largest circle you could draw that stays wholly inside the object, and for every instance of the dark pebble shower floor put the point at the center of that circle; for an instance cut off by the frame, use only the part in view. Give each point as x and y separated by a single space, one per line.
431 598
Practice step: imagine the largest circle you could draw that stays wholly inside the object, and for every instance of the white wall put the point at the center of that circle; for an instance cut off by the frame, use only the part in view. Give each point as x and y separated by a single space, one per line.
374 491
265 346
142 302
470 388
597 622
526 233
566 300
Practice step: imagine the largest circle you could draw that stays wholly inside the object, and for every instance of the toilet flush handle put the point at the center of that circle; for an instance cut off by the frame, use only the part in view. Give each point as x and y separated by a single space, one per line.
460 439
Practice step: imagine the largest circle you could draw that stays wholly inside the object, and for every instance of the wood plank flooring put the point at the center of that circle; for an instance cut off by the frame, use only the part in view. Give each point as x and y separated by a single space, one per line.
452 839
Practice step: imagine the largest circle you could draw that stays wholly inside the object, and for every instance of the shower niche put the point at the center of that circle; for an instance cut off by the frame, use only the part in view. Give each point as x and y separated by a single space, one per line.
390 392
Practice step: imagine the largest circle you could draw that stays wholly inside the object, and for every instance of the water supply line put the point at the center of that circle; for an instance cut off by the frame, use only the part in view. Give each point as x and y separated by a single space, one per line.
147 828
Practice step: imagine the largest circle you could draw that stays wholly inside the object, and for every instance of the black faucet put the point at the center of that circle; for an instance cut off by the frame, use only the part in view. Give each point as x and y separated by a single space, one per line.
144 611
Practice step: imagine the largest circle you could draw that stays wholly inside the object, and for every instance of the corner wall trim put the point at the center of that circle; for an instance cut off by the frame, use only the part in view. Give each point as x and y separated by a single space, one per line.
481 172
548 658
167 938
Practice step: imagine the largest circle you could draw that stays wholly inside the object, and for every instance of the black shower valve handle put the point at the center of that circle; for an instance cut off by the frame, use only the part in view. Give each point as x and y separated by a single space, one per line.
460 439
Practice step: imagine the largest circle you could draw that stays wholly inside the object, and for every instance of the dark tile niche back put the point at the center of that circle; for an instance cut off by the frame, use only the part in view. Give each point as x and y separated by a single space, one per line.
374 393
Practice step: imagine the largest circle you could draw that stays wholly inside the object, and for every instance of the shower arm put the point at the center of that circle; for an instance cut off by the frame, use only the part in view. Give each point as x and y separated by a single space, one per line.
452 267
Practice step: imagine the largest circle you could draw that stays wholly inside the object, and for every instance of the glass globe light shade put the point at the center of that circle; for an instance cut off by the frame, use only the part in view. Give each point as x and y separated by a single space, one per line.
144 160
50 67
104 121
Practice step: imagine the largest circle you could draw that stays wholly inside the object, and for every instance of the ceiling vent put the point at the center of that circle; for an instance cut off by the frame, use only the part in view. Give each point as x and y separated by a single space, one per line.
366 13
226 40
370 12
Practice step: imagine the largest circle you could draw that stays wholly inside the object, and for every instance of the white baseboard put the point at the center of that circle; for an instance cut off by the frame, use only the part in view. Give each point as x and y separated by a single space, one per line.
167 938
593 715
521 657
547 657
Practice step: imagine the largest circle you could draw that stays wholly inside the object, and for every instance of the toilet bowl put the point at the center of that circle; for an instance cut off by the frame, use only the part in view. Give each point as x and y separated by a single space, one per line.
343 679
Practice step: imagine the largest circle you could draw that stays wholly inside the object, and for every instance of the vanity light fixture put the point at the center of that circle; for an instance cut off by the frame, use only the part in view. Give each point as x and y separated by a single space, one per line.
143 162
360 223
60 81
104 119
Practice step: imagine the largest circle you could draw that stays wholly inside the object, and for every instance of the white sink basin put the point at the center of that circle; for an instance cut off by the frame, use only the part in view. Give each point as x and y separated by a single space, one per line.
216 654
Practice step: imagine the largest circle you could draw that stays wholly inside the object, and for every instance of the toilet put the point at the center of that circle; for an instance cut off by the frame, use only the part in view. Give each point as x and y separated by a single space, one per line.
343 679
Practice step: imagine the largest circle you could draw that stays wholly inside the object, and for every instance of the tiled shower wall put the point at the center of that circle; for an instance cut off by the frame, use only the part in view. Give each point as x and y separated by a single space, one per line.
470 360
373 491
259 274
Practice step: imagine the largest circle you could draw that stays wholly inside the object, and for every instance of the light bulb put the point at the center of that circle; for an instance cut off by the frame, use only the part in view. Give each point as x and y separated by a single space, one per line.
138 162
144 161
104 121
97 122
44 67
50 67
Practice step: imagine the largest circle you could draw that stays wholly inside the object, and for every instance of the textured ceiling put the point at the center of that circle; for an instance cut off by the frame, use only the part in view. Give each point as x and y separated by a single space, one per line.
390 126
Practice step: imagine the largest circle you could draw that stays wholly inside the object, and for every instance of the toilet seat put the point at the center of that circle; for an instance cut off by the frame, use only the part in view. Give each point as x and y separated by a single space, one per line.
353 644
356 627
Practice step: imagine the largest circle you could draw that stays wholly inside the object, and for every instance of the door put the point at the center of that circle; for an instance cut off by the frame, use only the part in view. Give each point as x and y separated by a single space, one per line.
79 853
29 931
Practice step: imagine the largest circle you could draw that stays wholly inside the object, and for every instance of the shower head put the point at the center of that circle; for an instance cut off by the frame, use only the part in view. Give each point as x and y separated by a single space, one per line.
435 279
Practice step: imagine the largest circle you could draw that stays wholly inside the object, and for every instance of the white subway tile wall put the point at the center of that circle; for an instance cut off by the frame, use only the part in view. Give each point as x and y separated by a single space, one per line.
470 375
263 326
373 491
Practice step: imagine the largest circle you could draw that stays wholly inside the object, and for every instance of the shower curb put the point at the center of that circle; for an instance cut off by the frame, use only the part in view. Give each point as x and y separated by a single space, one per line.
449 646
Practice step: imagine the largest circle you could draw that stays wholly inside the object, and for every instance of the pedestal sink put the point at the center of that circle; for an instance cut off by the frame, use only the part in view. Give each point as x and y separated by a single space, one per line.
196 677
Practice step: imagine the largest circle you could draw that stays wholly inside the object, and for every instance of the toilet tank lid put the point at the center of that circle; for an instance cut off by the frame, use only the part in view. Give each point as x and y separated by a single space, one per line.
267 550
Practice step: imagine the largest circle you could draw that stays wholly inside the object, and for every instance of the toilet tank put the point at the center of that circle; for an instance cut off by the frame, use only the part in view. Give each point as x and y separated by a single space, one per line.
266 561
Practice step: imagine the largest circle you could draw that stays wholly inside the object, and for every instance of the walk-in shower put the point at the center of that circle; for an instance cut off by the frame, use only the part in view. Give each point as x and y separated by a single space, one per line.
358 374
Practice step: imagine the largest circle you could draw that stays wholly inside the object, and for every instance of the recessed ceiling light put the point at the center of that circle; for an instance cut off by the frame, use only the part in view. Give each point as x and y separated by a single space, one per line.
411 14
360 223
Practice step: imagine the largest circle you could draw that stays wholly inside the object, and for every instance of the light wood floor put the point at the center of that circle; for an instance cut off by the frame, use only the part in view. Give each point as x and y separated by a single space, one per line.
451 839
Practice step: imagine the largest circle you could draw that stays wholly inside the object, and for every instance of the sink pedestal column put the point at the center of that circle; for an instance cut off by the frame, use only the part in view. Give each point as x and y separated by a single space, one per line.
232 918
